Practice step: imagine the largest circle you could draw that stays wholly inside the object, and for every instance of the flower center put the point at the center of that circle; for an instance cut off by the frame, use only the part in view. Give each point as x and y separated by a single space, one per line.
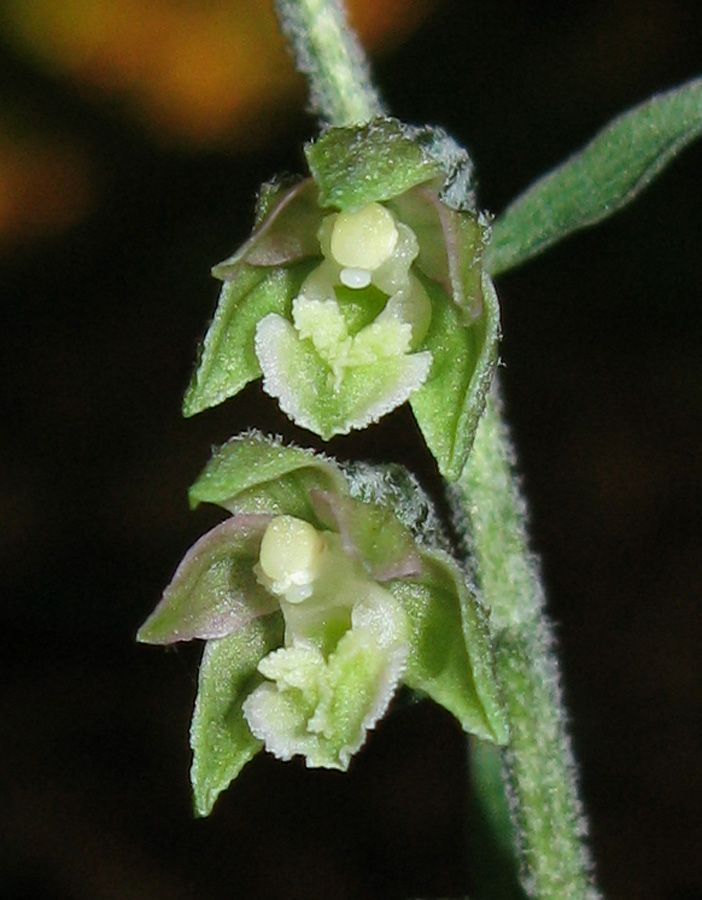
362 241
290 558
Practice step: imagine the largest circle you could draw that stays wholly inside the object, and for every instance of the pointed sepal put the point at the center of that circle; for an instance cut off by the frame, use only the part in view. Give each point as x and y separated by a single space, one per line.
451 657
255 474
214 591
449 405
220 738
356 165
227 358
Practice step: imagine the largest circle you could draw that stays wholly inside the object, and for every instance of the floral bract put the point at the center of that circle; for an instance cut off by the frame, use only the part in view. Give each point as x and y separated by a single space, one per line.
361 288
316 606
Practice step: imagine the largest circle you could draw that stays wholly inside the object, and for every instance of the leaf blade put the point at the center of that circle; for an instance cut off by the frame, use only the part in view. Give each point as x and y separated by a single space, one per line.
609 172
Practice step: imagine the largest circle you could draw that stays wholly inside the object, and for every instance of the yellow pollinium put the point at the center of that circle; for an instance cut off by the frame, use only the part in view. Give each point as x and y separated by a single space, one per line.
291 556
364 239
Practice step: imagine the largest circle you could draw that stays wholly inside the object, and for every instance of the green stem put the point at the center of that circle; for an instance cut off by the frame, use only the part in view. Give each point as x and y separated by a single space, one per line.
328 53
538 765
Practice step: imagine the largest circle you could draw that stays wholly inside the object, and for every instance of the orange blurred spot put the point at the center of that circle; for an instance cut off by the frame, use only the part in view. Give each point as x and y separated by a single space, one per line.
43 190
199 72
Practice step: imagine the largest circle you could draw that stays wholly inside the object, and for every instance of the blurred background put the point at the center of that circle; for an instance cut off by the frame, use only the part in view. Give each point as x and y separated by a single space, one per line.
133 137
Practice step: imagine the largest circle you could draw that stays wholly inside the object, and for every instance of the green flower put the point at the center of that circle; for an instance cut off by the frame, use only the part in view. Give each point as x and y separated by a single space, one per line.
361 288
318 597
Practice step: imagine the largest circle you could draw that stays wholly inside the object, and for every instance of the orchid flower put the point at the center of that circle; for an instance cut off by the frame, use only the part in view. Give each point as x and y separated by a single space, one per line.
319 596
360 288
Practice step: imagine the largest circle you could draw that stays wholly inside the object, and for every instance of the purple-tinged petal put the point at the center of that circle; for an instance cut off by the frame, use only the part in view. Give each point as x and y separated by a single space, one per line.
464 246
451 244
287 234
419 209
214 591
371 534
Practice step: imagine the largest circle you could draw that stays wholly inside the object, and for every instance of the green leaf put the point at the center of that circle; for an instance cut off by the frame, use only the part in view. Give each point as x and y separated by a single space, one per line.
596 182
227 359
221 740
255 474
449 404
214 591
356 165
451 656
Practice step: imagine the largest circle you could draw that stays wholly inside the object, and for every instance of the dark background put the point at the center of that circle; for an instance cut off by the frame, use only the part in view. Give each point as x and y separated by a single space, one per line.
603 380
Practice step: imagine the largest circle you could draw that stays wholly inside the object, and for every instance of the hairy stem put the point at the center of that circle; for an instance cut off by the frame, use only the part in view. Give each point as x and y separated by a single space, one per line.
328 53
538 765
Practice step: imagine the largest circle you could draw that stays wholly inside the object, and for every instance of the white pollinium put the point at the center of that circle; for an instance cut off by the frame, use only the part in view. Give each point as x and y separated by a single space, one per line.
355 278
361 241
290 558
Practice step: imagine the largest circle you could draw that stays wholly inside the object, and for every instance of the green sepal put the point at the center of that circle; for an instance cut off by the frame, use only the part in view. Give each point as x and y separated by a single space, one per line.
465 326
370 533
448 406
255 474
221 740
227 359
214 591
355 165
609 172
451 657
